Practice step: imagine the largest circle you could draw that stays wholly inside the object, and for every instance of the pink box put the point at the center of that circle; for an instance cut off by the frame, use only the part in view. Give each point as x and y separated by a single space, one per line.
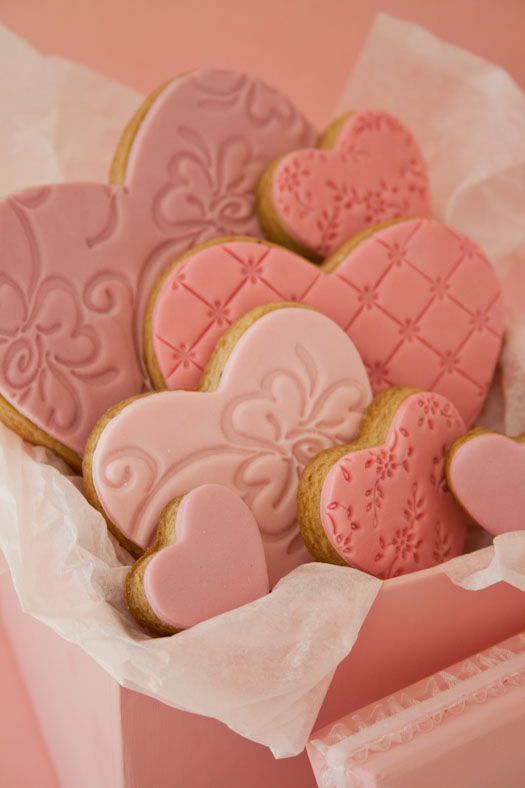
463 726
99 734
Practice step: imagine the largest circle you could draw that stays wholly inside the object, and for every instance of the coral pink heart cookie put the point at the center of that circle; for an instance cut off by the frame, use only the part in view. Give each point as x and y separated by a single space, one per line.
367 170
420 301
486 474
208 558
283 384
381 504
78 260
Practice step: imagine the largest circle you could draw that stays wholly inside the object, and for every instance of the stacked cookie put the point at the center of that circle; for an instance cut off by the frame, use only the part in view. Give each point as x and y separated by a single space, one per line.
261 351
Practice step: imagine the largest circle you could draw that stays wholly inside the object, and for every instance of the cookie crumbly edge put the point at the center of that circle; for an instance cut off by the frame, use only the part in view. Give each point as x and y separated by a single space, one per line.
119 163
135 594
372 432
30 432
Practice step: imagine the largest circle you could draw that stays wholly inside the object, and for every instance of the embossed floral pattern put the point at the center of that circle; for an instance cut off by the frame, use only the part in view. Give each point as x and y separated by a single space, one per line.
374 174
79 260
402 515
294 386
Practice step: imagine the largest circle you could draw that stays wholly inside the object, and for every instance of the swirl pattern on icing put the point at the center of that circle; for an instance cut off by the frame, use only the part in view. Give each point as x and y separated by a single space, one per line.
293 385
78 260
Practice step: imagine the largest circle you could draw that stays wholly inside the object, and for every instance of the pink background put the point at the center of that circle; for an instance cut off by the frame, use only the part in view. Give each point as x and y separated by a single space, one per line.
305 47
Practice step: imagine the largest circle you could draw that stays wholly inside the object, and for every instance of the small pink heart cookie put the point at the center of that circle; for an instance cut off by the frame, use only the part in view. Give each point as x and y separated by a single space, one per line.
486 474
77 260
283 384
367 170
419 300
381 504
208 558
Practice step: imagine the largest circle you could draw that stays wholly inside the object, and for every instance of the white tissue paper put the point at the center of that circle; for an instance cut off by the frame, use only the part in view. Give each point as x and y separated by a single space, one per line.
60 121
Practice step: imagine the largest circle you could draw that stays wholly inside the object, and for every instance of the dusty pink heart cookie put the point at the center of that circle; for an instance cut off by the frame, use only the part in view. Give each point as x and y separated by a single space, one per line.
421 303
382 503
285 383
77 260
486 474
368 170
208 558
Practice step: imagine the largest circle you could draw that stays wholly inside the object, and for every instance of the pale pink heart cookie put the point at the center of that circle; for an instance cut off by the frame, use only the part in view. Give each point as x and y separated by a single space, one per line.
419 300
285 383
78 260
486 474
381 504
208 558
367 170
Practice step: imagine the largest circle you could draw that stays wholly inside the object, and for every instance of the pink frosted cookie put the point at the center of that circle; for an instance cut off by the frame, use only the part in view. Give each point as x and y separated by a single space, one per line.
419 300
208 558
283 384
486 475
367 170
381 504
78 260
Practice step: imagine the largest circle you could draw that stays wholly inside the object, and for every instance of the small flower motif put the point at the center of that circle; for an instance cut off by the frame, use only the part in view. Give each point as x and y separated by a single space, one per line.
290 176
396 254
183 355
375 205
406 544
252 269
409 330
378 375
429 405
368 297
439 288
480 320
449 361
219 313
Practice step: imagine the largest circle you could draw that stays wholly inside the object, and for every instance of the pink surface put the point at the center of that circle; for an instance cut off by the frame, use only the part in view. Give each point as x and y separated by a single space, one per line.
487 475
86 254
462 726
216 564
293 385
18 723
374 174
387 510
419 623
305 47
419 300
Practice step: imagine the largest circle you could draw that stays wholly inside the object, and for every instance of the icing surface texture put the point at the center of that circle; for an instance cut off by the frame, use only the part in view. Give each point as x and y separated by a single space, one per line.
78 260
374 174
293 385
387 509
419 300
487 474
216 564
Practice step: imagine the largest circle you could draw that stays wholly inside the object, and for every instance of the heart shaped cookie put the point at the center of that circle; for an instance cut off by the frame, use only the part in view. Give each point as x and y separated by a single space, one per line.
486 474
284 383
381 504
420 301
208 558
78 260
367 170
